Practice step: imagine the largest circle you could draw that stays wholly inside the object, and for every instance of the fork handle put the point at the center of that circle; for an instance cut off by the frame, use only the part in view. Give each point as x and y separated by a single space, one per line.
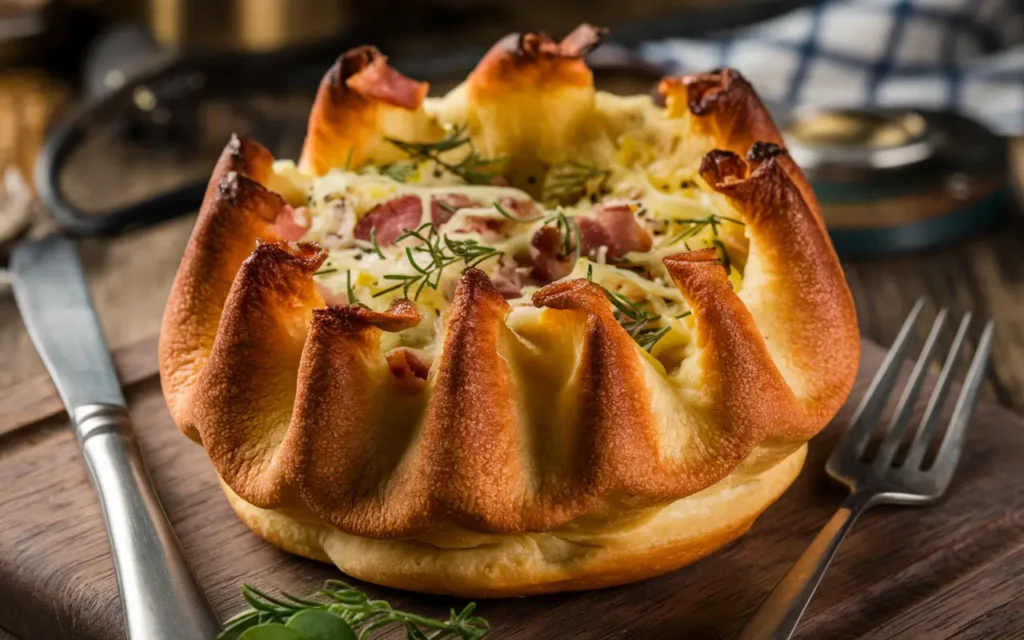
778 615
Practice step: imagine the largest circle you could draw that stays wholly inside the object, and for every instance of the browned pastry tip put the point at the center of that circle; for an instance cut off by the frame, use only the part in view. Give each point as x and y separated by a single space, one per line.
244 156
236 212
803 302
242 401
343 120
722 106
521 61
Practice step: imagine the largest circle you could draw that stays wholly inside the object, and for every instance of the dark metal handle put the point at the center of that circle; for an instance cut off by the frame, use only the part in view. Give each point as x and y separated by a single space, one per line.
161 598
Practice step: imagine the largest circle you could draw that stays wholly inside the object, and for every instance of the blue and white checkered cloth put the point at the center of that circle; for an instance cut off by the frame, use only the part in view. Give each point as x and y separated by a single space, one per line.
963 55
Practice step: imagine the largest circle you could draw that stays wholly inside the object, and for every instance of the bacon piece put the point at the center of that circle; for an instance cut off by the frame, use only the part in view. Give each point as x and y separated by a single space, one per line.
293 223
522 209
390 219
442 208
613 225
508 280
409 366
546 250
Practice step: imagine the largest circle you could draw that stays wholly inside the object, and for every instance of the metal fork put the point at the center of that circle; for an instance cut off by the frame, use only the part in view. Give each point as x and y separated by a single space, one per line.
881 480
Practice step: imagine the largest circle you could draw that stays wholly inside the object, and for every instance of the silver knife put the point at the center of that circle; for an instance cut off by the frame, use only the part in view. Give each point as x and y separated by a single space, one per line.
160 597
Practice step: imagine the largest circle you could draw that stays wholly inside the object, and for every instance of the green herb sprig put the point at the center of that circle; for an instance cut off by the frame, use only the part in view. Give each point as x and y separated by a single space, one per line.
699 224
473 168
571 179
339 611
566 225
637 322
440 252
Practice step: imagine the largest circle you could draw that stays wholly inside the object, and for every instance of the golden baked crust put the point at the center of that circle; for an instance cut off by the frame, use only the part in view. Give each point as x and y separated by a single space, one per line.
535 424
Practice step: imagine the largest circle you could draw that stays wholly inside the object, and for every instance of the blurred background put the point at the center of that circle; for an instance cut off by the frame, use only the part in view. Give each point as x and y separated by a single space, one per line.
905 114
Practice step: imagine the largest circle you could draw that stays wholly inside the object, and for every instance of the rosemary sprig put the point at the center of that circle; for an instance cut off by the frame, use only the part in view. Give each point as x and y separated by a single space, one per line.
571 240
440 252
473 168
635 320
571 179
374 243
504 212
699 224
339 608
398 171
349 291
566 225
723 255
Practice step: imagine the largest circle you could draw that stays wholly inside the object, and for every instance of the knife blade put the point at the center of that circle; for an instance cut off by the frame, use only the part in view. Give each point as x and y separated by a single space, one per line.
161 598
51 294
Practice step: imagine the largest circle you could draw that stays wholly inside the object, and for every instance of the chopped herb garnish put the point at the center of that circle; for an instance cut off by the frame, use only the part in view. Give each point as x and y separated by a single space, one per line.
373 241
474 169
723 255
440 252
447 207
504 212
572 179
696 225
684 314
398 171
635 320
348 159
323 272
345 611
566 225
648 339
349 291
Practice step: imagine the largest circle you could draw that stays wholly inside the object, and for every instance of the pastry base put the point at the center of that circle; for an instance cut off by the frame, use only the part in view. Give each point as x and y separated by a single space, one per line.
525 564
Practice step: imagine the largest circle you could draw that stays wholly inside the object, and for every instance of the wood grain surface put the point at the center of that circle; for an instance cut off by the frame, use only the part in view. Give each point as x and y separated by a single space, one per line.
939 572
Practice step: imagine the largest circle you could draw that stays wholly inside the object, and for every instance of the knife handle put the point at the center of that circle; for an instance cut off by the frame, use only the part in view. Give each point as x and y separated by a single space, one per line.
161 598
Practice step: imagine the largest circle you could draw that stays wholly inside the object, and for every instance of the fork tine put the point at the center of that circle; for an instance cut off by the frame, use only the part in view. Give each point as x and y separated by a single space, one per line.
898 425
953 442
865 419
929 421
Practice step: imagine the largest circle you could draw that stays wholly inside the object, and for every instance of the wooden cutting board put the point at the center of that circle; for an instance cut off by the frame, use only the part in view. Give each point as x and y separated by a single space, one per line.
951 570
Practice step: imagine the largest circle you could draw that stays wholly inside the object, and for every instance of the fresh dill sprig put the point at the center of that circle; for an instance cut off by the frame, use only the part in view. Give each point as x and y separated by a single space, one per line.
699 224
440 252
572 179
473 168
344 611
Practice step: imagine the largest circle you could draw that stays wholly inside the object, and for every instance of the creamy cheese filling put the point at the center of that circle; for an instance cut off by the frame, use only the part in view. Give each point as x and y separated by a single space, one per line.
409 229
